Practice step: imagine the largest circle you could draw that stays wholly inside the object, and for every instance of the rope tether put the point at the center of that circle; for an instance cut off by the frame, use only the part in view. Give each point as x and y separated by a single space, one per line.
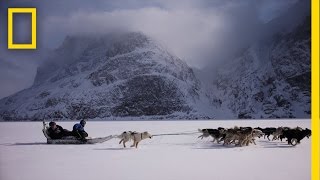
174 134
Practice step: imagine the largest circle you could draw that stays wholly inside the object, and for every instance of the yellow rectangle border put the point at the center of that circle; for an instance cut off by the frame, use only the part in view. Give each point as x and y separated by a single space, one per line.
315 90
33 12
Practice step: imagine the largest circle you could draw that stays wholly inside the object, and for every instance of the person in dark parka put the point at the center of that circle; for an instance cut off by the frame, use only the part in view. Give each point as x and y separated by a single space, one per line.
57 132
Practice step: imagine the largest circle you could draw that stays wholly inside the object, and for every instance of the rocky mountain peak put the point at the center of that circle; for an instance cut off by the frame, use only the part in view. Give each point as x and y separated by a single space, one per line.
108 76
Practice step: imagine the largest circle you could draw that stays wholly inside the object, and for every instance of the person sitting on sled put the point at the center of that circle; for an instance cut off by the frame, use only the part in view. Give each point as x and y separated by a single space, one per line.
57 132
78 130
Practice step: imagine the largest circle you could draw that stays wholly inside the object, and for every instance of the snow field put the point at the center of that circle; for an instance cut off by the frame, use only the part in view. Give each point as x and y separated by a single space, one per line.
25 155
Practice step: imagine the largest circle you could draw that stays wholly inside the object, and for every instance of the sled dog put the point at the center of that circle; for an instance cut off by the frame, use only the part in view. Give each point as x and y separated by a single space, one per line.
135 136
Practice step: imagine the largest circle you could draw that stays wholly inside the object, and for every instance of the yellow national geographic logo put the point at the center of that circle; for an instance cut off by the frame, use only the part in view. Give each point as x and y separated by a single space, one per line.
33 12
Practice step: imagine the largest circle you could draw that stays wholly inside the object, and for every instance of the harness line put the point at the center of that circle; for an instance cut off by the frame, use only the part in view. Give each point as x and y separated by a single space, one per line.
175 134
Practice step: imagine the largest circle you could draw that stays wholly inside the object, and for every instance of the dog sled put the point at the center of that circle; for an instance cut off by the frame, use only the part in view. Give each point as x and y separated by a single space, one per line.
72 139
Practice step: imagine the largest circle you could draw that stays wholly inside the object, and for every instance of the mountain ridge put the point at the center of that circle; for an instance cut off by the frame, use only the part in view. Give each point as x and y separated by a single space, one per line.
127 77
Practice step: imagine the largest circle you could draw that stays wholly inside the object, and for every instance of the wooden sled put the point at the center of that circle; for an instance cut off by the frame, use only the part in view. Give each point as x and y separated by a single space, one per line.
72 139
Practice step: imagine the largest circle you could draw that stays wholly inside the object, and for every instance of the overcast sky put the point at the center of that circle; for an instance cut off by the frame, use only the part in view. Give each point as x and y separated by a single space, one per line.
194 30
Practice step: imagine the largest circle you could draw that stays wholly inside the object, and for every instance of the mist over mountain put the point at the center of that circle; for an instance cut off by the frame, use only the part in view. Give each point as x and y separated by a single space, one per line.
271 79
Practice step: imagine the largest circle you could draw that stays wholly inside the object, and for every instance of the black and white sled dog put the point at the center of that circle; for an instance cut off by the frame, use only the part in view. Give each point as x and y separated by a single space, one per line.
215 133
135 136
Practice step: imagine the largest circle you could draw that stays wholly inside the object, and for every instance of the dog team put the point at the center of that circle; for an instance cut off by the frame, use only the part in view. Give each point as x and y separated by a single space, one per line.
240 136
243 136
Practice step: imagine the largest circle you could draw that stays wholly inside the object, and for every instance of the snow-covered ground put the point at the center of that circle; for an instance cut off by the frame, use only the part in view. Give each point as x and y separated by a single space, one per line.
24 154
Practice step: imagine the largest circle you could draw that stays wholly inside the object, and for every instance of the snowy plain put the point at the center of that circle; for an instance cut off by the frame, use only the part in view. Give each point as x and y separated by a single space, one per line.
24 154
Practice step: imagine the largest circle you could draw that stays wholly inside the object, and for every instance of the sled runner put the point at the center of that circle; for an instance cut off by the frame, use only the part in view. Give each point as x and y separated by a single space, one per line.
72 139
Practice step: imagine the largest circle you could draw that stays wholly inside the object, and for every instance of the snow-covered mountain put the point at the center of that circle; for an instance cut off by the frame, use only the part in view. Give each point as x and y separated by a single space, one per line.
108 76
271 79
130 76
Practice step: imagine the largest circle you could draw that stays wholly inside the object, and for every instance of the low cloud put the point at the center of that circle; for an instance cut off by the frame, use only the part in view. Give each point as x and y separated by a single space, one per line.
195 35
